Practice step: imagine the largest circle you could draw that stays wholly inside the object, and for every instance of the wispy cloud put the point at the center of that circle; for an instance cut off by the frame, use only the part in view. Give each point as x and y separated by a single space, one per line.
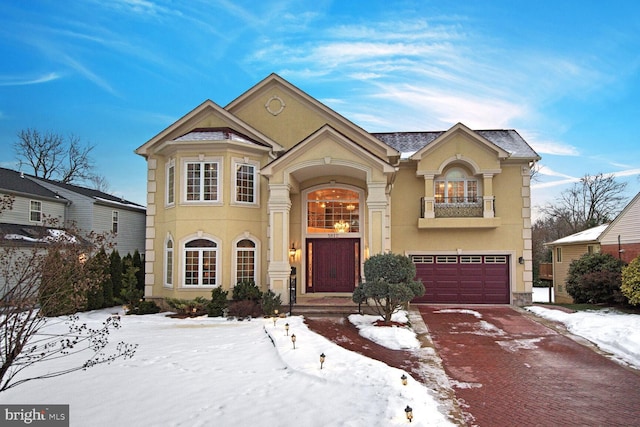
23 80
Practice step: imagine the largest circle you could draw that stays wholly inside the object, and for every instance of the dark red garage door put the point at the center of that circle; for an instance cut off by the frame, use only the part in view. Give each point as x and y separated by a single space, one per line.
463 279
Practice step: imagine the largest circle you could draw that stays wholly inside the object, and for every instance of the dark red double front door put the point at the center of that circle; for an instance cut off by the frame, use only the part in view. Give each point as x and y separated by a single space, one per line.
333 265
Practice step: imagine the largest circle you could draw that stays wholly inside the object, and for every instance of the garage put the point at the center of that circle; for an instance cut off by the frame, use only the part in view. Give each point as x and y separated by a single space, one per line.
463 279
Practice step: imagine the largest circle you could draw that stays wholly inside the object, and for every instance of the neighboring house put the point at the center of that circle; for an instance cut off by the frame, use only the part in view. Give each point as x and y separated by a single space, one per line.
276 182
621 239
89 210
566 250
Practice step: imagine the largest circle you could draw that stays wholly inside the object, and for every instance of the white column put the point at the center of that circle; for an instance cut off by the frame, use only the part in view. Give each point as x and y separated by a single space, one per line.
279 268
378 213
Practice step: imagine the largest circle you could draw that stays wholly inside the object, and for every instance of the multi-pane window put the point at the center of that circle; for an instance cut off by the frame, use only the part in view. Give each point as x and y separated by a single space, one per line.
456 187
333 210
35 211
171 183
200 263
202 181
246 261
114 221
168 262
245 183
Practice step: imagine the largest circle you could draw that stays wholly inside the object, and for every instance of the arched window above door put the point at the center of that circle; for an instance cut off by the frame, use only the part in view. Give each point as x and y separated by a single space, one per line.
456 186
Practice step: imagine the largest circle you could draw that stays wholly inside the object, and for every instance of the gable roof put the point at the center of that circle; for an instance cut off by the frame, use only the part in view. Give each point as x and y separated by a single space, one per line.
331 116
177 130
20 183
409 143
96 195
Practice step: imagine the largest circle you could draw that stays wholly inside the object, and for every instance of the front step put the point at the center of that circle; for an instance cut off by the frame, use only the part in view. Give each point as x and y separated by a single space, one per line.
328 307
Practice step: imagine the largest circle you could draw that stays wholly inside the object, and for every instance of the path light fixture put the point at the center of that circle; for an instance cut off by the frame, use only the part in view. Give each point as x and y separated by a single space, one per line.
322 356
293 340
409 413
274 320
404 379
286 329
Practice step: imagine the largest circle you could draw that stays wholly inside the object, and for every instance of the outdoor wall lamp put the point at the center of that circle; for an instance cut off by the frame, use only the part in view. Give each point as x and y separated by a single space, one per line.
292 251
521 260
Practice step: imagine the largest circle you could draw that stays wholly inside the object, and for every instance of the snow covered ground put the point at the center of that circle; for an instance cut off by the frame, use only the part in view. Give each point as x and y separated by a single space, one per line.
215 372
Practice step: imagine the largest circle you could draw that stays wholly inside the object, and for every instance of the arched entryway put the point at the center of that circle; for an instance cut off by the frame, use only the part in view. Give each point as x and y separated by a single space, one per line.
333 238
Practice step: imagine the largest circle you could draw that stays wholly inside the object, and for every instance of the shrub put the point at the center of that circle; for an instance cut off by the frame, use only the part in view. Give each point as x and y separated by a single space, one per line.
595 278
146 307
389 285
631 281
246 291
270 303
190 308
129 294
218 303
244 309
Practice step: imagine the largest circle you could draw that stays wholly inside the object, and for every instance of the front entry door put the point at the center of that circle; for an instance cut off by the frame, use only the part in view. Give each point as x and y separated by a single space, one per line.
333 265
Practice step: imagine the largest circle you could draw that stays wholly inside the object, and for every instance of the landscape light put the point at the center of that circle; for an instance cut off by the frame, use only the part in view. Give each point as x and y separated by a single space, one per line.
322 356
409 412
286 329
293 340
404 379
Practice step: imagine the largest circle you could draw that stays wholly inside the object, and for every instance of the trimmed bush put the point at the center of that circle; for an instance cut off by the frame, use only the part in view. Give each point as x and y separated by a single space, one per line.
218 303
188 308
244 309
146 307
389 285
631 281
270 303
246 291
595 279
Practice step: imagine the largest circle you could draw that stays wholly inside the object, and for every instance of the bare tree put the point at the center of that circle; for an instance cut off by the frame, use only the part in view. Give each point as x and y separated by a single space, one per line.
41 289
54 157
594 200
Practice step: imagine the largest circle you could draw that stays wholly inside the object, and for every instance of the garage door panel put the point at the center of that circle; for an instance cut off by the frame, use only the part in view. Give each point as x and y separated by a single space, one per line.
464 279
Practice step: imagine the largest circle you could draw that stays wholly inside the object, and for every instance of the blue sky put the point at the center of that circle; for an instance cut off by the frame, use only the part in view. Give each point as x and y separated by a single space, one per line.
565 74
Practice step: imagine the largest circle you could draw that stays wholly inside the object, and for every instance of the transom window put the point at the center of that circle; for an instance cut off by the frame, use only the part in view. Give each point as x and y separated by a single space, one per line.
200 263
246 182
35 211
202 181
333 210
246 261
456 187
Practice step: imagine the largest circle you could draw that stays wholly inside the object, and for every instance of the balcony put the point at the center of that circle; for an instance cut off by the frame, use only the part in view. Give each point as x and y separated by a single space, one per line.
458 212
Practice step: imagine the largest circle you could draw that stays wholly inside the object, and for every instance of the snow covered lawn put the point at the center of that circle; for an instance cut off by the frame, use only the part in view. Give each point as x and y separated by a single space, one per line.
214 372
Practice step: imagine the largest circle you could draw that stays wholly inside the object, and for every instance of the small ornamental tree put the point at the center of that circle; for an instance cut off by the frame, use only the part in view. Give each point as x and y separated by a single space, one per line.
389 284
631 281
595 278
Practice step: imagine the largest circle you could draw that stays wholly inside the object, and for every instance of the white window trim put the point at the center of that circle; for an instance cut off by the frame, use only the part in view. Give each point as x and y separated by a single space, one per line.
32 210
467 178
170 164
115 220
235 162
166 282
246 236
183 251
183 179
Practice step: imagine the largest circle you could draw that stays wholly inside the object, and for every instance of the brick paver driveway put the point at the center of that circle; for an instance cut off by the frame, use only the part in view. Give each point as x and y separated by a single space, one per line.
509 370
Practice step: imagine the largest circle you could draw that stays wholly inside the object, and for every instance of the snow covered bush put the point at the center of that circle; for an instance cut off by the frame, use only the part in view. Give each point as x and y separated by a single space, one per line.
389 284
595 278
218 303
631 281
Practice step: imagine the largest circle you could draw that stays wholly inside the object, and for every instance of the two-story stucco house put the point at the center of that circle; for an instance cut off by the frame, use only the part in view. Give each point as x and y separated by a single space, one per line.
277 180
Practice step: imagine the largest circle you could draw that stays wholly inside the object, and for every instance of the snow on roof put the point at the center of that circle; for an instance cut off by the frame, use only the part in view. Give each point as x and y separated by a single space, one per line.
589 235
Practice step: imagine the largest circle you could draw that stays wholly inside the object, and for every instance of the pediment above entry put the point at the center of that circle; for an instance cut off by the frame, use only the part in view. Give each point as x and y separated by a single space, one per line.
327 153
